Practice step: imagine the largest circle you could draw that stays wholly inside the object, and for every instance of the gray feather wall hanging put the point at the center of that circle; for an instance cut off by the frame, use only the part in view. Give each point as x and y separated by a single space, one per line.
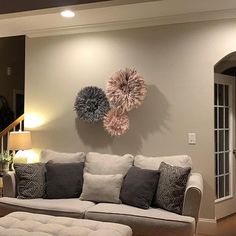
91 104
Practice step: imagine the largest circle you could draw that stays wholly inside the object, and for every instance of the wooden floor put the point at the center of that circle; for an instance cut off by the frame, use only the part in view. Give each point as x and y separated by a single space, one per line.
226 227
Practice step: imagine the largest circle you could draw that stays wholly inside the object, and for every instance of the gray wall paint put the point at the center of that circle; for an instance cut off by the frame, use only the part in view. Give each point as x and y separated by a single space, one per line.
177 62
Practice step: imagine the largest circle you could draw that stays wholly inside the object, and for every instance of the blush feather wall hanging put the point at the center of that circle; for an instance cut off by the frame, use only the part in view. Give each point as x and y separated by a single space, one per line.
126 90
116 123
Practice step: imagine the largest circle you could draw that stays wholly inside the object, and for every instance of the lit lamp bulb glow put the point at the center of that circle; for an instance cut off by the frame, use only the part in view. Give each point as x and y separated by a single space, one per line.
20 141
67 13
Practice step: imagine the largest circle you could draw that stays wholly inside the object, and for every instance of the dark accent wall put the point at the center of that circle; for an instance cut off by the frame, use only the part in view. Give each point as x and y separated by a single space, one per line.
12 68
230 71
11 6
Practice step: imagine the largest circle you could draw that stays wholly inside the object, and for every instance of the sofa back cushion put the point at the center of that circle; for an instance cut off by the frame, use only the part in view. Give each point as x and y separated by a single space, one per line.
61 157
107 164
153 163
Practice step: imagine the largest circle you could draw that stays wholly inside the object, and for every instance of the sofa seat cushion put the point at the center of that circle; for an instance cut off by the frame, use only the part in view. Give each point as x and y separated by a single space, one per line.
150 222
27 224
65 207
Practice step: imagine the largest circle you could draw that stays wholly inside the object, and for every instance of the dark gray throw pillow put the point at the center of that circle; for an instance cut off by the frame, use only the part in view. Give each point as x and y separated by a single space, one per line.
64 180
171 187
139 187
30 180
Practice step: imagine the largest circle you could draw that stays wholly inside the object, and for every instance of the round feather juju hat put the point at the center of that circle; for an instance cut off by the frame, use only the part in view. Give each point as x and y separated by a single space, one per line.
116 123
91 104
126 90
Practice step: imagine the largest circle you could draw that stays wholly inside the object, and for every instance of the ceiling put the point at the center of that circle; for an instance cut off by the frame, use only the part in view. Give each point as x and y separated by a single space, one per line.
111 15
12 6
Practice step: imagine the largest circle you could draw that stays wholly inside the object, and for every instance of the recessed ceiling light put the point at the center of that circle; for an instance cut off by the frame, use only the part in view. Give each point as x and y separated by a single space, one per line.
67 13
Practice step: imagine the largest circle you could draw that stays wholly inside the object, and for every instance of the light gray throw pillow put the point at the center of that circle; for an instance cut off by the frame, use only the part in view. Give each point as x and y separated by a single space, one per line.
101 188
61 157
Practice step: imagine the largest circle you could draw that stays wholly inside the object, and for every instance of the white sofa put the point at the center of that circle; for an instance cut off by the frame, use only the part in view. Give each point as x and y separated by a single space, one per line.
150 222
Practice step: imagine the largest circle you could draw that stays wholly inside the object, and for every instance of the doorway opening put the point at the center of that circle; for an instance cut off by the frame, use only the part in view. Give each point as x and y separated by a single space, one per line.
224 136
12 79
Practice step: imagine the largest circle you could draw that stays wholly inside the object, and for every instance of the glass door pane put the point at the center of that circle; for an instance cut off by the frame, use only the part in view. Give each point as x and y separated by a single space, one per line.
222 140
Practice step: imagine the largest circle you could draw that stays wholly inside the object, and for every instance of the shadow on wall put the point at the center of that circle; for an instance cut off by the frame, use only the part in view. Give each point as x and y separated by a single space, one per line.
148 119
93 135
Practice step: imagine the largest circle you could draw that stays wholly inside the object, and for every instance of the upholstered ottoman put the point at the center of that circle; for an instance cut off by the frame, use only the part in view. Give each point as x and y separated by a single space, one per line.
28 224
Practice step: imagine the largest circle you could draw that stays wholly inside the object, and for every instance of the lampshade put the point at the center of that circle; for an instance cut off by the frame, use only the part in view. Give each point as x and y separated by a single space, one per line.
20 140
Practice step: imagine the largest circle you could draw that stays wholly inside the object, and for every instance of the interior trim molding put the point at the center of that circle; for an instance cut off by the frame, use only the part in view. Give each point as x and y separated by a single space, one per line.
207 226
135 23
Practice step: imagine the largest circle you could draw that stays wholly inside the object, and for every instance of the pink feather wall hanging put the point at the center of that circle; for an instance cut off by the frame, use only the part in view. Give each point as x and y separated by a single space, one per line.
116 123
126 90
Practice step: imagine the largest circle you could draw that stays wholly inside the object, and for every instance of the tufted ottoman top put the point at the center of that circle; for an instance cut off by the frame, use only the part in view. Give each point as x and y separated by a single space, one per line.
28 224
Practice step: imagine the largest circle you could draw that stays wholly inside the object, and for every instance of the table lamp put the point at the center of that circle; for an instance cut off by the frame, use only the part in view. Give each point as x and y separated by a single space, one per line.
19 141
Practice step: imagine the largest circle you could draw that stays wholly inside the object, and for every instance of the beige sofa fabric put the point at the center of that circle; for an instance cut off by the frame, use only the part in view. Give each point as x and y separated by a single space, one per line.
73 205
151 222
106 164
153 163
27 224
193 196
102 188
9 184
194 190
61 157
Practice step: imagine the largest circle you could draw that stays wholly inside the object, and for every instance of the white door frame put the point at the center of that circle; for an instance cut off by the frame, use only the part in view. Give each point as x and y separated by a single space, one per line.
227 205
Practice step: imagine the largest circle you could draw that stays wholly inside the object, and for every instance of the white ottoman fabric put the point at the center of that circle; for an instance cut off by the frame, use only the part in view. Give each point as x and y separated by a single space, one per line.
28 224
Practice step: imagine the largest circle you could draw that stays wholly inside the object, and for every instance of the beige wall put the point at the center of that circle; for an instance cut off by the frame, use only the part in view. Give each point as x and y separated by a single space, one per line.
177 62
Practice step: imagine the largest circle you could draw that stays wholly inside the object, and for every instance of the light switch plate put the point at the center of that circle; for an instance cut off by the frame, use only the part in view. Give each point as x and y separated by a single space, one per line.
192 139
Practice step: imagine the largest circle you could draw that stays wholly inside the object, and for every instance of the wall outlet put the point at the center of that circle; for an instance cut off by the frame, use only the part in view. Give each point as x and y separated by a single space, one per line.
192 139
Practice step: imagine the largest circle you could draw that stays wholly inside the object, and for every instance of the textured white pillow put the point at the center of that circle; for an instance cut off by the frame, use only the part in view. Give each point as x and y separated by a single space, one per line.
61 157
101 188
106 164
153 163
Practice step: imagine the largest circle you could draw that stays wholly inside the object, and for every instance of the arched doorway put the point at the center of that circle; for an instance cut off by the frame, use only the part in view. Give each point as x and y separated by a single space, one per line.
224 136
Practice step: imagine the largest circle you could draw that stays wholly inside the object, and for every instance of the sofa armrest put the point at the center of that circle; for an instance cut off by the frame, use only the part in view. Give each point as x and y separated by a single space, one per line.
9 184
193 196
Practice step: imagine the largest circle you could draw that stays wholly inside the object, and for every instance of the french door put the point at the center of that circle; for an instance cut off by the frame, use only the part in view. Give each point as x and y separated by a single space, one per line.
224 133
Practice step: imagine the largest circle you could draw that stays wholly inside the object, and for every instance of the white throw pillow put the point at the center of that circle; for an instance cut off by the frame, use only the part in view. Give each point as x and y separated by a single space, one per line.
61 157
101 188
153 163
106 164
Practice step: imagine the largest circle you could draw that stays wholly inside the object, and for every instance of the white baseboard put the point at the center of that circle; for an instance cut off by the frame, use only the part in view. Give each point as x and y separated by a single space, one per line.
207 226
